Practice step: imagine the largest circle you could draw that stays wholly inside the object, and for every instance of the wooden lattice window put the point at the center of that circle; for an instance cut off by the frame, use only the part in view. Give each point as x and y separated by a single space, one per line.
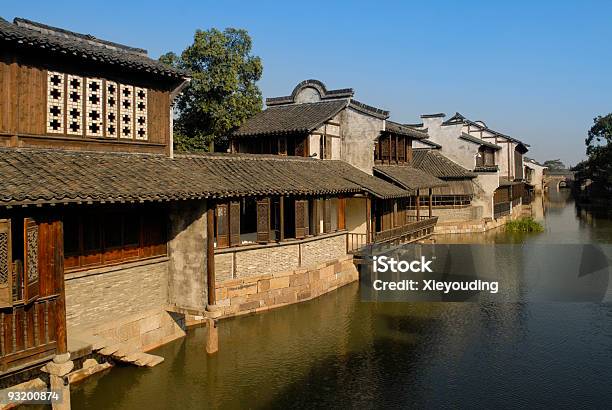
301 219
126 110
6 259
222 226
401 149
234 223
55 102
327 215
263 220
93 105
74 105
140 96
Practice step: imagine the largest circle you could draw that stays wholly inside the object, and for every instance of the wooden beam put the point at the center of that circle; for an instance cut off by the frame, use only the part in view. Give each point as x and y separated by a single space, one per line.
418 204
394 218
430 201
210 254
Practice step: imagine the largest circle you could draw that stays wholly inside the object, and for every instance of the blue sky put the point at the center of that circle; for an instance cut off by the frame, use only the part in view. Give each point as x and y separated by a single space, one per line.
539 71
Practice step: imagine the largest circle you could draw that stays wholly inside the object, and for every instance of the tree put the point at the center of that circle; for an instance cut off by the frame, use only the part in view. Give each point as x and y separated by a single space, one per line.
223 91
600 134
554 164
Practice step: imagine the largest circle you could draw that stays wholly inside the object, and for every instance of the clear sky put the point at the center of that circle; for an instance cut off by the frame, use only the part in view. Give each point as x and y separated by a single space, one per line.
537 70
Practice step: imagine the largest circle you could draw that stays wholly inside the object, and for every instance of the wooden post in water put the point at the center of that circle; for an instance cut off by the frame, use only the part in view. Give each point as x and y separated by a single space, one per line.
210 254
212 337
430 201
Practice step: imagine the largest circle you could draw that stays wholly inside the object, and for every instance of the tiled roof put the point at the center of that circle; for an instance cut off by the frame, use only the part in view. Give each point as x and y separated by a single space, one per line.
289 119
401 129
436 164
63 43
480 141
456 187
408 177
431 143
458 118
38 176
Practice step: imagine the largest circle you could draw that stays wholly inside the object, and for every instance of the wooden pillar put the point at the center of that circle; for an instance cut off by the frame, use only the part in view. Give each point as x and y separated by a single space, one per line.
418 204
57 228
281 211
341 213
430 201
389 161
210 254
212 337
369 233
394 220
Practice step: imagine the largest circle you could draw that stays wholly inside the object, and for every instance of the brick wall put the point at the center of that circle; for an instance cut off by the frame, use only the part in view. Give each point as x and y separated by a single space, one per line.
106 294
244 263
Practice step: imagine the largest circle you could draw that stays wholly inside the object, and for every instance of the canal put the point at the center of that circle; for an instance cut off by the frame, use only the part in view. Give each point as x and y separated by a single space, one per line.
339 352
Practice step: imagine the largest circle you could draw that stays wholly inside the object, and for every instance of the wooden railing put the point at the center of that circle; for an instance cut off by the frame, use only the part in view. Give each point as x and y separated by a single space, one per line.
500 209
355 241
420 227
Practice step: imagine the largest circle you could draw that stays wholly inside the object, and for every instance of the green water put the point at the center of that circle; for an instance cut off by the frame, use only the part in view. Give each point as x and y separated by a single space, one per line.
339 352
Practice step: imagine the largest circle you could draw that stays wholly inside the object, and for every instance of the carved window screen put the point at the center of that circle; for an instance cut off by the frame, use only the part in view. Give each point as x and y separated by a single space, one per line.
234 223
140 96
263 220
74 104
55 102
31 266
6 274
93 105
126 109
111 101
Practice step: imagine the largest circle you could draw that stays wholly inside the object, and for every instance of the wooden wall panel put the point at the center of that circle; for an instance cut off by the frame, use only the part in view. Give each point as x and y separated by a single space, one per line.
6 84
158 116
31 85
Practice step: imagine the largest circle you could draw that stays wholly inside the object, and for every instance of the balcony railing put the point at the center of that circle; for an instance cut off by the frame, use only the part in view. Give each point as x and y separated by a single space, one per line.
500 209
412 230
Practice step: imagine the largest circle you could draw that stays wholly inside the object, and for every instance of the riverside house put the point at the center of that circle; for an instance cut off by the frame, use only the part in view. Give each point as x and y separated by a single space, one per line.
332 126
494 159
110 242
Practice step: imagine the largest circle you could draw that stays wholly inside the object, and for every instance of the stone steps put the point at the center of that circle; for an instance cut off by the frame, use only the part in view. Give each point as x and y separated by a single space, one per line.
124 352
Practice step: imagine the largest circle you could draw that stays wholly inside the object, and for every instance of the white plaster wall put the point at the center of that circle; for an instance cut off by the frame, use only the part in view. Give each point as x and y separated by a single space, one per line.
307 95
358 134
356 215
457 149
487 183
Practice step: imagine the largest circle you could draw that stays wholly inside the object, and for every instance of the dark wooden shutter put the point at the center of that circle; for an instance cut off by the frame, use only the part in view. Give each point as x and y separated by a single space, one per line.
327 215
328 147
341 214
300 219
306 218
6 259
263 220
300 147
234 220
401 149
222 226
30 259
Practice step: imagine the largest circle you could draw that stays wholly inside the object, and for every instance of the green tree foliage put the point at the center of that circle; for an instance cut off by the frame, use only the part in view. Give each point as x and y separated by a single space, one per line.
554 164
598 166
223 91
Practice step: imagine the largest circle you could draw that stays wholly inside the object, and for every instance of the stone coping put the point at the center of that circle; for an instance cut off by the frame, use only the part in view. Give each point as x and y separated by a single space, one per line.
81 273
286 242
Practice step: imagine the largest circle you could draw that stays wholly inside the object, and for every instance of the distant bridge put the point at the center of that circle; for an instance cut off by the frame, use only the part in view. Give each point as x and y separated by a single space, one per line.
559 178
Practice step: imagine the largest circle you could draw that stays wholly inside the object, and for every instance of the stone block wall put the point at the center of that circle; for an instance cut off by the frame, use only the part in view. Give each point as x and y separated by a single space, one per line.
323 250
262 292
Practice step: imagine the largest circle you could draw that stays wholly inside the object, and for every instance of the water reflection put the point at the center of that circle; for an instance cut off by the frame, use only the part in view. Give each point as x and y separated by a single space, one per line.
336 351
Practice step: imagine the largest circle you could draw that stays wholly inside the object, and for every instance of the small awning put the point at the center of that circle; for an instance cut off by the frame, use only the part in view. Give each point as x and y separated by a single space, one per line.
456 187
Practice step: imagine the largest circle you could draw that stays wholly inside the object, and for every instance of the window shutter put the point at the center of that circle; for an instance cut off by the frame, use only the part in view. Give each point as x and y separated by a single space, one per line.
300 212
222 226
328 147
234 217
306 218
327 215
263 220
6 258
30 252
300 148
